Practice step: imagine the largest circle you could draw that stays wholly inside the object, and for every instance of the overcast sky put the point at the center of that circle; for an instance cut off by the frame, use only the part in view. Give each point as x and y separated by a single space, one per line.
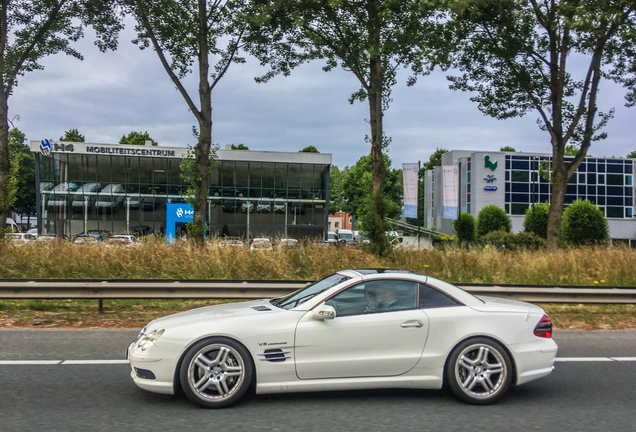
109 95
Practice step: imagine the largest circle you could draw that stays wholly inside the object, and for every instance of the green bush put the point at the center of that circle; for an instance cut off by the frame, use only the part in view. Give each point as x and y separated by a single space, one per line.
466 225
519 241
492 218
584 224
540 220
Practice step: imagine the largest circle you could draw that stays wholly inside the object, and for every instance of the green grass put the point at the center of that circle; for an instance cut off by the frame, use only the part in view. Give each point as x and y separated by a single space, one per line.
599 266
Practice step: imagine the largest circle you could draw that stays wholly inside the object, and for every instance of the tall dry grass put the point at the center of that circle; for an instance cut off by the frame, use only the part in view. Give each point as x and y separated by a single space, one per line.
608 266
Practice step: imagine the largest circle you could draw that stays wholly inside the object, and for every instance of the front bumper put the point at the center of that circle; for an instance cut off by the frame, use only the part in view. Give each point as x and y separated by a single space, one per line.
151 363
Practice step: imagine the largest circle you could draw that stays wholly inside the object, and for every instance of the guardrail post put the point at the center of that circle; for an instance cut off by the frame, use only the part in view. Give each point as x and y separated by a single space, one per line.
101 306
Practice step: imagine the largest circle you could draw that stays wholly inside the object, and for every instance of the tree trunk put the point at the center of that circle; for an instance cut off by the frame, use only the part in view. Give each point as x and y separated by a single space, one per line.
557 198
202 149
376 82
5 162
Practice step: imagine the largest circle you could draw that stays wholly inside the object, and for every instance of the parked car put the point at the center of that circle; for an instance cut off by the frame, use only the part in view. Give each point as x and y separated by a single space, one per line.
60 194
50 237
110 198
86 196
141 230
229 202
231 242
355 329
247 206
264 205
288 244
261 244
279 205
33 232
123 240
88 239
21 238
151 202
133 201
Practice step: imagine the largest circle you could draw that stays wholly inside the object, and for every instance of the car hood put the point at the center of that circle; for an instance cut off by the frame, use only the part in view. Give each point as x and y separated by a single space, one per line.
495 304
239 310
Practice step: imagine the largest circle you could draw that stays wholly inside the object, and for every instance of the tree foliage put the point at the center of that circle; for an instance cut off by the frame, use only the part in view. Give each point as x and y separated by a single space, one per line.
185 34
239 147
492 218
523 56
357 188
372 39
25 177
309 149
137 138
31 30
584 224
464 227
632 155
507 149
72 135
336 200
540 220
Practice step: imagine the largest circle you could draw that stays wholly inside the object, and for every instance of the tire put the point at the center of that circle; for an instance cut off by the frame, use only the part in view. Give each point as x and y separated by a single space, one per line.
216 372
479 371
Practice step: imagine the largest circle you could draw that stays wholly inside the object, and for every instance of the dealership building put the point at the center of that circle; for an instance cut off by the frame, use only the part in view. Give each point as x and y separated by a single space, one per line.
511 180
135 189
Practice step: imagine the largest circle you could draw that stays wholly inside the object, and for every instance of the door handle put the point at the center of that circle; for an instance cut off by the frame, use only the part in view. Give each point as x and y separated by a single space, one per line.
407 324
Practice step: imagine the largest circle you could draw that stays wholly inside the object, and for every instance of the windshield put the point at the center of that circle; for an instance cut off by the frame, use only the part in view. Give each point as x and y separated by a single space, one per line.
299 297
346 236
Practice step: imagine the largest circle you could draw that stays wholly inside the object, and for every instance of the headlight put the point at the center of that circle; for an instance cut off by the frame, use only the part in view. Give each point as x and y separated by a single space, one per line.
145 340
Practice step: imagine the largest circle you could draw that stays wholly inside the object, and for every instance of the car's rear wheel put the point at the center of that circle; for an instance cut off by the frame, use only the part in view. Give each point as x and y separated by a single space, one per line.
479 371
216 372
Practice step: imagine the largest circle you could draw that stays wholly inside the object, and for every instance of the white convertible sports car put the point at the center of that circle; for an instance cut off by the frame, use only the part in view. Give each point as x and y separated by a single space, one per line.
356 329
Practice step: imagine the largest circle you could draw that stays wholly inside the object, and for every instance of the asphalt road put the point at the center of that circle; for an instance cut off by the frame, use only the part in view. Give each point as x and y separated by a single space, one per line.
589 391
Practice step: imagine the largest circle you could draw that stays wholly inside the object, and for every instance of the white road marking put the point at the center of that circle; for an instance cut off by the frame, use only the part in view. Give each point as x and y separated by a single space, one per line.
584 359
30 362
93 362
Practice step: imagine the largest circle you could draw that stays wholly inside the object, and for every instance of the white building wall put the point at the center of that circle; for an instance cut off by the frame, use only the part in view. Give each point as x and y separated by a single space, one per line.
481 193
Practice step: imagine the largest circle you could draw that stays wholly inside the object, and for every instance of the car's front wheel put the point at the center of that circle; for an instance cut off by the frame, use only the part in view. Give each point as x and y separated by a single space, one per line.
479 371
216 372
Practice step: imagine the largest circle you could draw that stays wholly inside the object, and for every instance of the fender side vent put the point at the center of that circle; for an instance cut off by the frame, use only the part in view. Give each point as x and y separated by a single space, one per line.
274 355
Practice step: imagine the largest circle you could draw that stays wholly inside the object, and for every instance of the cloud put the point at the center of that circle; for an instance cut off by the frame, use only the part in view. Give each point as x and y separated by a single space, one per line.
109 95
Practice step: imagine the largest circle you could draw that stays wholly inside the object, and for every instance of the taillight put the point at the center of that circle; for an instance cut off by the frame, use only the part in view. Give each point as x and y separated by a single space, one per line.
544 328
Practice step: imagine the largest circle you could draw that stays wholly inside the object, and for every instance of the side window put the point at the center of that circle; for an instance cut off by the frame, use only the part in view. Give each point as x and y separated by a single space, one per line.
430 297
376 296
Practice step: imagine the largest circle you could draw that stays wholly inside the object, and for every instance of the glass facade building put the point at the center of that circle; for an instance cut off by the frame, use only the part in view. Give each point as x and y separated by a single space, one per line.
514 181
124 189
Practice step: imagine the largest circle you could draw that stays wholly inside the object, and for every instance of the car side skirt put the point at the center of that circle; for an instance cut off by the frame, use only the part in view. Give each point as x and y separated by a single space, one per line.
418 382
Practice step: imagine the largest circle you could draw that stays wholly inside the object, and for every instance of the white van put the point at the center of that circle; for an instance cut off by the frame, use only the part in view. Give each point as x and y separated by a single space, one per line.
12 226
346 235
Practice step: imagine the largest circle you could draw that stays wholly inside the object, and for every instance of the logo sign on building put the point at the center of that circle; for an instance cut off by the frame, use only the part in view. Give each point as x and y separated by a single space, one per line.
45 147
450 192
489 164
410 181
177 213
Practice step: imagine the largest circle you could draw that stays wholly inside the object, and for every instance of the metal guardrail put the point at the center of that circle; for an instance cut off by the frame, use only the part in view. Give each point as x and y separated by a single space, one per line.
216 289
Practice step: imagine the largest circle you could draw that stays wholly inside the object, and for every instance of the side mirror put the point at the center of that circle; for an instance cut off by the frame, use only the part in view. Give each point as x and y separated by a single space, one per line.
324 312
